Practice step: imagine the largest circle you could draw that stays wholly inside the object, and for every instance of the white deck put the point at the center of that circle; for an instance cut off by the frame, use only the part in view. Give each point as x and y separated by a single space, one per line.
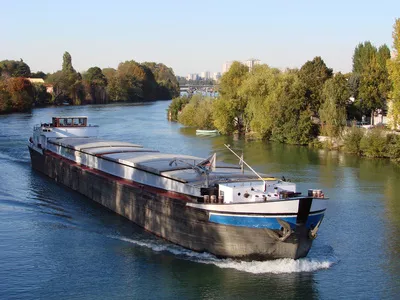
174 166
81 143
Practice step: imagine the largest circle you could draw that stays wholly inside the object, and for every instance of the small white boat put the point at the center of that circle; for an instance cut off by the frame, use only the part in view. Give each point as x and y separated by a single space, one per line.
207 132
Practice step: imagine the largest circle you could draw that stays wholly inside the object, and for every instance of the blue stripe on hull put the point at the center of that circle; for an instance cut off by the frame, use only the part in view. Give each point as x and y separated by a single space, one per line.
261 222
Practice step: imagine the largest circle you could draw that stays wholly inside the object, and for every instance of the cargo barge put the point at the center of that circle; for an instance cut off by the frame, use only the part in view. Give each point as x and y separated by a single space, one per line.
197 203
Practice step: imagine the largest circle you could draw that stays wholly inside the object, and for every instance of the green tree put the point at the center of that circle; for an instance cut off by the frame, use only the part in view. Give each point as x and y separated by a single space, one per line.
362 57
133 81
373 143
351 140
67 83
39 74
333 111
13 68
95 75
116 90
260 88
353 110
176 106
149 83
369 64
313 75
109 73
373 90
168 86
354 84
224 115
67 63
128 84
393 66
291 116
56 80
188 114
204 117
197 113
383 55
5 98
40 95
95 85
229 112
16 94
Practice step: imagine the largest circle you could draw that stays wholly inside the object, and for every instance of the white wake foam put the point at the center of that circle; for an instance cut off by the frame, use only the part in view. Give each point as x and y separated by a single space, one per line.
174 249
277 266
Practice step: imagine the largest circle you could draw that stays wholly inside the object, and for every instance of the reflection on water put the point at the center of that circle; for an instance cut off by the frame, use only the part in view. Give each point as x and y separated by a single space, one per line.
56 242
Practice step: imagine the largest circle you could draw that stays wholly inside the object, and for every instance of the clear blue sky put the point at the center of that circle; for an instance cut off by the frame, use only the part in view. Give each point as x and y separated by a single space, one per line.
191 36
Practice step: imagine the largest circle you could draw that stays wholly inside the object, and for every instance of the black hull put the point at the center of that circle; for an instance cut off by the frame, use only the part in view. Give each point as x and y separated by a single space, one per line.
165 214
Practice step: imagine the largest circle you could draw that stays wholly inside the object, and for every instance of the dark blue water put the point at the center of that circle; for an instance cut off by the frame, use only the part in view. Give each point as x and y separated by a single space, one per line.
57 244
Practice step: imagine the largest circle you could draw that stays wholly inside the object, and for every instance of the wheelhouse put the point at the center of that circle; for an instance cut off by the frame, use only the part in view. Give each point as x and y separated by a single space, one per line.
69 122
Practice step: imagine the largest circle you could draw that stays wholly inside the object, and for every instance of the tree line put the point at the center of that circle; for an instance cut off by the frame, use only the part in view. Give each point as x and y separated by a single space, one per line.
296 105
131 81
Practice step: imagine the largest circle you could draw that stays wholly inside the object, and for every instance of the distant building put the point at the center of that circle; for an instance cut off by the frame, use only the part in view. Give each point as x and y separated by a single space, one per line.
193 76
251 62
226 66
36 80
380 116
49 88
205 75
216 76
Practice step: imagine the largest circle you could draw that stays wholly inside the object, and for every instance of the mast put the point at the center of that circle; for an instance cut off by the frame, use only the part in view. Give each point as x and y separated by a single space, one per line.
251 169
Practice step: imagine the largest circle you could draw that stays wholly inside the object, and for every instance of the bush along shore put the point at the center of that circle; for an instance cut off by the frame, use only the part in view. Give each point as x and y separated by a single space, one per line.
20 89
297 106
376 142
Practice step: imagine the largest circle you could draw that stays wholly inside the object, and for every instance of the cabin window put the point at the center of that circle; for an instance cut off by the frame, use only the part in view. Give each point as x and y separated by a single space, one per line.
66 122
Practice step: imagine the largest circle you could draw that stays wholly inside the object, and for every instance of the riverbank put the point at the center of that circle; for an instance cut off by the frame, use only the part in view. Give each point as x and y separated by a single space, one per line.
119 102
375 142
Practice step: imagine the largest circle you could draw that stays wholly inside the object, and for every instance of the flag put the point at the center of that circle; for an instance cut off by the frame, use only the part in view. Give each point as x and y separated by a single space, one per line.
209 163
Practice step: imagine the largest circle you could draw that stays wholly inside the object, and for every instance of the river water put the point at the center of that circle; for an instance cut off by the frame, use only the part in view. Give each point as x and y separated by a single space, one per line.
55 243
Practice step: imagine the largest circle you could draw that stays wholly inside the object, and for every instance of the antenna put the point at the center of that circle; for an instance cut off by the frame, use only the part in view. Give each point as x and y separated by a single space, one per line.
243 162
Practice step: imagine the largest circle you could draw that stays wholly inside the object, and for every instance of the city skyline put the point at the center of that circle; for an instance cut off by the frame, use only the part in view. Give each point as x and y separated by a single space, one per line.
189 38
206 74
